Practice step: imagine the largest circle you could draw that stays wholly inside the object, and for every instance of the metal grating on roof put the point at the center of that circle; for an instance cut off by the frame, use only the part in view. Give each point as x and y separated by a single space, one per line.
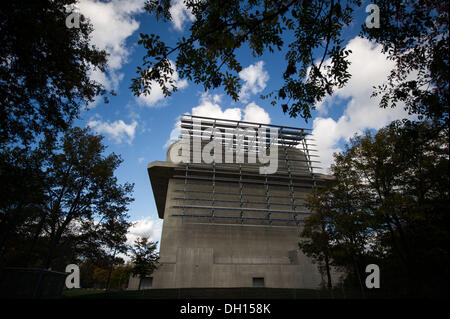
240 193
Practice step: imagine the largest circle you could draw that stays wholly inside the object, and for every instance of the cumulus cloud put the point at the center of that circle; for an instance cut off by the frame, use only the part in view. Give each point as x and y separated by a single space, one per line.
255 79
113 23
255 113
174 134
209 107
369 67
180 14
119 131
156 93
145 227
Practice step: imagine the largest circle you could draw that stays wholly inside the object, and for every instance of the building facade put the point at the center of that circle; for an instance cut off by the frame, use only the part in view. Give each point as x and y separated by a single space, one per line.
230 223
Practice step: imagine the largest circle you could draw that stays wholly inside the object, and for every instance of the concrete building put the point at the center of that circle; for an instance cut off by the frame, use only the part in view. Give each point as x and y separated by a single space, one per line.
228 224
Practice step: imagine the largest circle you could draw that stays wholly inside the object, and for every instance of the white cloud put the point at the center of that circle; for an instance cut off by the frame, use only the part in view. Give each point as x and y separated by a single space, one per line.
145 227
180 14
141 160
113 23
156 93
255 78
174 134
369 67
209 107
255 113
119 131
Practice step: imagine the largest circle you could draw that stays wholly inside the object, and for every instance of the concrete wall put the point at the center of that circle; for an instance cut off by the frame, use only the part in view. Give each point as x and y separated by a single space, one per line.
195 253
133 283
208 255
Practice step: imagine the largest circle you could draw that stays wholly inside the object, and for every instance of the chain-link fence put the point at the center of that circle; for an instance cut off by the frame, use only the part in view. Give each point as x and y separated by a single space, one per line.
16 282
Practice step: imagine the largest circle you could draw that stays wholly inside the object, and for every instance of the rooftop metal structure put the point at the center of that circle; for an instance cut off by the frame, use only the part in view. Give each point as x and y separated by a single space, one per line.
237 193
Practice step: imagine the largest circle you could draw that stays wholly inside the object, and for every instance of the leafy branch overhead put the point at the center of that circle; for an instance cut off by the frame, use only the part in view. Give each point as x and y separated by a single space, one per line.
45 69
316 60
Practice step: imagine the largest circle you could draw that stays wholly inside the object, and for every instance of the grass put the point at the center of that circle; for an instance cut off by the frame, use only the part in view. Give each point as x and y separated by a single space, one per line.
75 293
210 293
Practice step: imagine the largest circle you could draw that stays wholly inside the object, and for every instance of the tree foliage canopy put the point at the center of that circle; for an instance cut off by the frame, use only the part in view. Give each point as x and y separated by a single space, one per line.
77 199
144 258
414 34
387 205
44 68
60 200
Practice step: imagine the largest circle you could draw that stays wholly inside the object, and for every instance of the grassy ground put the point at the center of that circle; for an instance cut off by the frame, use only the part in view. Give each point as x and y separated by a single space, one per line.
211 293
75 293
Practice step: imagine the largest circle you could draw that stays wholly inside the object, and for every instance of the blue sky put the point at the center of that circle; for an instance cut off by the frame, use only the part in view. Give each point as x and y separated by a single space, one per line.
139 129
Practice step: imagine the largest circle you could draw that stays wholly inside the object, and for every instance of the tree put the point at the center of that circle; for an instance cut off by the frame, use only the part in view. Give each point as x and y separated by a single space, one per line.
405 166
317 236
83 205
338 231
144 258
120 276
99 276
96 276
387 205
414 34
44 69
21 194
114 238
83 188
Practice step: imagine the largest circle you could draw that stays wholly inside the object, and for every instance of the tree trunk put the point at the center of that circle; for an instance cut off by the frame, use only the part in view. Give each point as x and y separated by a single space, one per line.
355 265
53 243
33 243
108 281
327 266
